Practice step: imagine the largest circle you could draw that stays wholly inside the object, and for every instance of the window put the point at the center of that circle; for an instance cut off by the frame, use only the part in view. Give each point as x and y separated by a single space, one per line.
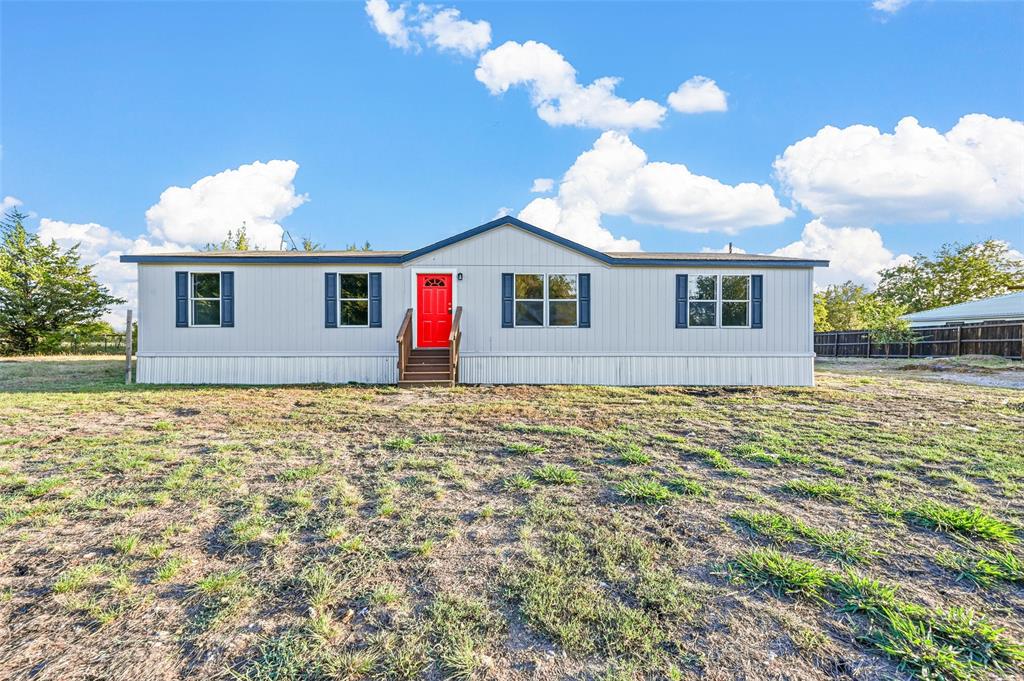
204 298
562 307
711 306
529 300
703 289
551 300
735 300
353 299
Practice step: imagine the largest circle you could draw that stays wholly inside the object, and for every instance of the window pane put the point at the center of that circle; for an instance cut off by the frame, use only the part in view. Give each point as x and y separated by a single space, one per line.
206 285
354 313
529 286
702 314
734 314
530 314
352 286
206 312
562 313
735 288
562 286
702 287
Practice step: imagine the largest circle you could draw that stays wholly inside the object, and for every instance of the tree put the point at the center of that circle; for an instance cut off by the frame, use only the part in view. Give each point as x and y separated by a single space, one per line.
234 242
309 245
956 274
353 247
850 307
44 292
838 307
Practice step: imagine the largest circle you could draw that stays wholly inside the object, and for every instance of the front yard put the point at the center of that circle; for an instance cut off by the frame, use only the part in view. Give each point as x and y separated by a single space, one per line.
867 528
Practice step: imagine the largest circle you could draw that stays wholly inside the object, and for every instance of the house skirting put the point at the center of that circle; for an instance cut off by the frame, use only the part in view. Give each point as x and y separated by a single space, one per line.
591 369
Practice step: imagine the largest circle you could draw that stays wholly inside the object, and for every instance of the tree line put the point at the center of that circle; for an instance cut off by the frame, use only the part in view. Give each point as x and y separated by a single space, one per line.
956 273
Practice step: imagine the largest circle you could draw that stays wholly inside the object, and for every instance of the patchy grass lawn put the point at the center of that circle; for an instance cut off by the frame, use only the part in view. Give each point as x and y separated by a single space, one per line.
869 528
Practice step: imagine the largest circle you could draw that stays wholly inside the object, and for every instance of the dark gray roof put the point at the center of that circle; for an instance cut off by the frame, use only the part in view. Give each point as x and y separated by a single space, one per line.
398 257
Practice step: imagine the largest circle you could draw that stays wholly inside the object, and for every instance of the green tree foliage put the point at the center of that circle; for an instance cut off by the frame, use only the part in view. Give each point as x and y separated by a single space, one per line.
309 245
353 247
838 307
237 241
956 274
851 307
44 292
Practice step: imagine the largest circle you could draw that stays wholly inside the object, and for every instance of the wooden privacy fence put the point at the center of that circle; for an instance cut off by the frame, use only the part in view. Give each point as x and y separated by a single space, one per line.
999 339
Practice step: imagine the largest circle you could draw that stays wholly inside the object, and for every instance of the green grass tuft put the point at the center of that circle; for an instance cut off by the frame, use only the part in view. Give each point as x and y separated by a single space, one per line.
646 490
556 474
969 522
780 572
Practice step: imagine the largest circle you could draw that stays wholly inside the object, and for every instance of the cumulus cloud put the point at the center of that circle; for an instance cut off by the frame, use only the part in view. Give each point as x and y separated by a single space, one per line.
889 6
9 202
698 95
855 253
724 249
542 185
440 27
390 23
614 177
972 173
445 30
257 194
555 92
102 248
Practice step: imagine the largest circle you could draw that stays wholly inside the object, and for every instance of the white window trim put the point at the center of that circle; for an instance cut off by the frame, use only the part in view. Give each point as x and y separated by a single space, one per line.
367 299
546 300
718 301
722 301
192 298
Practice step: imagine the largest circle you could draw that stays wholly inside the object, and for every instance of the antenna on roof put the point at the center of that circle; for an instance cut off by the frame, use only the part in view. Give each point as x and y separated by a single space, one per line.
284 244
730 247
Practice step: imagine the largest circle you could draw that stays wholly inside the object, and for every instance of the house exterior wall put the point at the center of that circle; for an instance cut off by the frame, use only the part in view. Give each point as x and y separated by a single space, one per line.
279 334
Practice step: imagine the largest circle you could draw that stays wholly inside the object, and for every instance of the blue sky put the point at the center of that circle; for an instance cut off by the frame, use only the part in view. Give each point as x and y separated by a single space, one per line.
108 105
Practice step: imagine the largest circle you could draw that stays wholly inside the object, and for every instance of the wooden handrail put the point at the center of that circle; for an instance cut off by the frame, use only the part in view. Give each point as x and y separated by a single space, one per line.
454 338
404 340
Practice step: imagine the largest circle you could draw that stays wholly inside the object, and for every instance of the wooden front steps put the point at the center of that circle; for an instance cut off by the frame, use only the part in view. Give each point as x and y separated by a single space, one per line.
427 366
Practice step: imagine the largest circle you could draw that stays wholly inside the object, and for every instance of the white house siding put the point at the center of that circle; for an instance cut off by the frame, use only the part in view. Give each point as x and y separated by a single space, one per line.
279 334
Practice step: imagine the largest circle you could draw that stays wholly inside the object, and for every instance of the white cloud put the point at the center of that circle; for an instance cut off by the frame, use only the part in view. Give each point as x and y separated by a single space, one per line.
542 185
445 30
102 247
9 202
973 173
615 178
698 95
258 194
555 92
889 6
390 23
856 253
502 212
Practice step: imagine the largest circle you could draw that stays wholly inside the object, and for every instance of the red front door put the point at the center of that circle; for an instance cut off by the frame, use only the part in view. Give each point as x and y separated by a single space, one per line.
433 310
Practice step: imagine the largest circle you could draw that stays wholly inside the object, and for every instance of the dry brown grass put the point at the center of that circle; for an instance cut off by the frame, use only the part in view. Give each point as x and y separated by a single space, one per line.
349 532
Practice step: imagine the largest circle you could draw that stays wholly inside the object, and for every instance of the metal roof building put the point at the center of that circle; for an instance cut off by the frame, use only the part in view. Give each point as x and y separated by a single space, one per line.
1008 307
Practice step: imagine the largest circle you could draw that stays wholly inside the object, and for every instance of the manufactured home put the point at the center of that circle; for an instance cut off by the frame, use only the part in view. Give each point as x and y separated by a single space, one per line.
505 302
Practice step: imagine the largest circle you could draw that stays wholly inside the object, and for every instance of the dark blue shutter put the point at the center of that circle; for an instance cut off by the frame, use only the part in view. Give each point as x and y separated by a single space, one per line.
508 292
331 300
584 294
227 298
681 293
181 298
757 301
375 320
